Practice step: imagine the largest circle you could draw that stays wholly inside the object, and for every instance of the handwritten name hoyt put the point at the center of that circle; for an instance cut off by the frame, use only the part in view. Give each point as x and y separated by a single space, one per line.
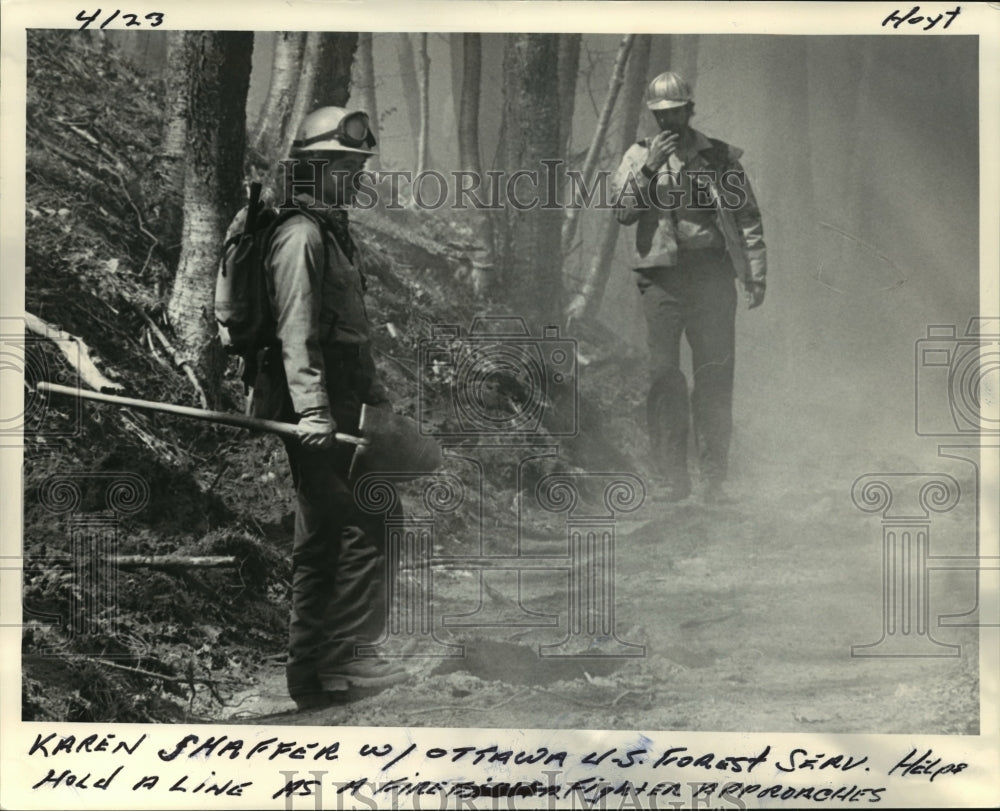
705 772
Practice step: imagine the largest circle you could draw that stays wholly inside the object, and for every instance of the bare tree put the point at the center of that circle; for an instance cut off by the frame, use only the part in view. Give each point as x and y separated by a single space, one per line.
456 63
423 82
469 160
569 67
363 80
590 162
175 89
587 302
174 141
217 77
411 92
468 111
273 122
530 259
303 102
335 57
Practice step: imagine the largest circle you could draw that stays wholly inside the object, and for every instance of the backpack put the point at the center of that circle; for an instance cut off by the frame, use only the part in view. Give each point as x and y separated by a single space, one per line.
243 291
242 296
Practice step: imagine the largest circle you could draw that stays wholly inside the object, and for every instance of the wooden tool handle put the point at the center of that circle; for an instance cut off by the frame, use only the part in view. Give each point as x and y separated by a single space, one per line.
223 417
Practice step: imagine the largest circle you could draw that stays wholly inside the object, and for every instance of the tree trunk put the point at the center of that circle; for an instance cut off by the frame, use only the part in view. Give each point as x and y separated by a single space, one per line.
469 159
176 97
596 279
456 62
277 110
363 79
304 93
217 77
332 85
411 92
468 111
423 82
569 67
174 143
530 262
590 162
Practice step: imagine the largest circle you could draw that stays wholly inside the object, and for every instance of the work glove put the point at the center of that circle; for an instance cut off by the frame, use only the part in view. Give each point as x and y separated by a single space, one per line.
317 428
754 294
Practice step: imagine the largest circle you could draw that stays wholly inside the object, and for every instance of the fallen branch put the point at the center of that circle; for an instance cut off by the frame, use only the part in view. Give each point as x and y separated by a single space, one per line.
137 671
155 353
79 360
96 143
174 561
175 357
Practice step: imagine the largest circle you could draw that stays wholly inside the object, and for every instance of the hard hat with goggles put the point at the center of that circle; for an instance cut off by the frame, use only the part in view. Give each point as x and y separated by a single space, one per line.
334 129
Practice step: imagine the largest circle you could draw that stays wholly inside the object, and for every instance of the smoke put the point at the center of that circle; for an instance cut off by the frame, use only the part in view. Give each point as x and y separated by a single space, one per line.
863 152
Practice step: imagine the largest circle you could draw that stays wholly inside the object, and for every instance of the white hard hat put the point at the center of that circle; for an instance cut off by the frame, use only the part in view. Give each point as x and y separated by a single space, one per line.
334 129
668 90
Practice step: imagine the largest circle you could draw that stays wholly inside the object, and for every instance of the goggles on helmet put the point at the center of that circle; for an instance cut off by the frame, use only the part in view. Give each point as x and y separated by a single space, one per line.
352 131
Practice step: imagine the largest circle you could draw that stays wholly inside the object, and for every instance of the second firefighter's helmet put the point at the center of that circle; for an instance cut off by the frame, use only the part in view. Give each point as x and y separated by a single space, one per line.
668 90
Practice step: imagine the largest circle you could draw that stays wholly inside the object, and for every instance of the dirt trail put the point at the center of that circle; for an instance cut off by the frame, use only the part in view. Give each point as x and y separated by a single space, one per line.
747 613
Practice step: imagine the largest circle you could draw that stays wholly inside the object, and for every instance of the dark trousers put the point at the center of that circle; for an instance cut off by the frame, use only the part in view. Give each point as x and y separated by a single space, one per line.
697 299
338 569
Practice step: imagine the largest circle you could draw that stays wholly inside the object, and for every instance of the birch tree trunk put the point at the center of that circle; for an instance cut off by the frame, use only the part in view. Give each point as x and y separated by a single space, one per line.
177 101
174 143
277 110
590 162
587 302
423 82
218 77
303 102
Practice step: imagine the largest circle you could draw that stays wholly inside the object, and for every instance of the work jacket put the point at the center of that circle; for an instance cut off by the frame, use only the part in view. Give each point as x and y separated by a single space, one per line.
701 197
318 304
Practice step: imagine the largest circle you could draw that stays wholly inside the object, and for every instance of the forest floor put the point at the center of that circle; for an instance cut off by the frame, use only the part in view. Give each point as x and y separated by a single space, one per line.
734 617
746 614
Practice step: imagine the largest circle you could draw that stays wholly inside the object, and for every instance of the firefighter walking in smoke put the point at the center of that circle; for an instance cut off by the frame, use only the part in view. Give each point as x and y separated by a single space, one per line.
318 375
697 228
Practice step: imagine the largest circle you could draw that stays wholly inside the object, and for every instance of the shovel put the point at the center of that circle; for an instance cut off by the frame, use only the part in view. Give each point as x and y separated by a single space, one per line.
391 443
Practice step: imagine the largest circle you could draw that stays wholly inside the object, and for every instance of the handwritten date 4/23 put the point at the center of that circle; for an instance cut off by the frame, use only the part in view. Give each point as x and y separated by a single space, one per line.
153 19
